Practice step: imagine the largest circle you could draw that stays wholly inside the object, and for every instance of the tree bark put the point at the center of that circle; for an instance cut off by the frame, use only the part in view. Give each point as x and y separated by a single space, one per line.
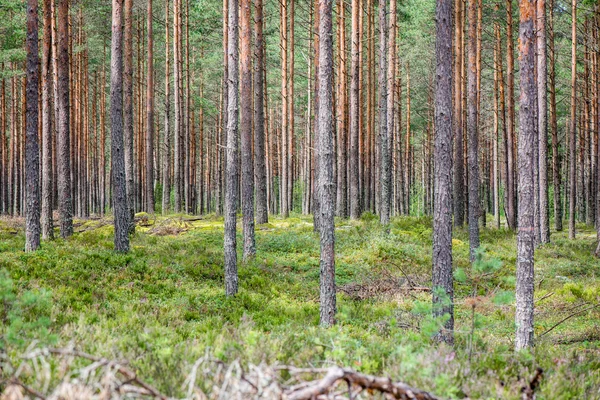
384 212
472 133
120 206
527 162
150 115
246 130
442 218
260 176
128 110
232 181
459 162
166 175
573 127
355 104
65 207
542 71
511 213
325 177
556 157
47 80
32 155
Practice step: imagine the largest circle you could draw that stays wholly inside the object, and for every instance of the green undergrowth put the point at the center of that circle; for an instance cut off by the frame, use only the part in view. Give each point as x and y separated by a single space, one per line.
163 305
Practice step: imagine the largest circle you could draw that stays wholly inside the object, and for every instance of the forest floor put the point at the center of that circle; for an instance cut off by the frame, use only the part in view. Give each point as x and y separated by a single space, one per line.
162 306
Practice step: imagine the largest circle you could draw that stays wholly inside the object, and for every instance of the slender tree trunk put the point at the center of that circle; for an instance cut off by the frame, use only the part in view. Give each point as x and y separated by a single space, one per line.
391 100
260 177
32 155
527 162
150 115
556 157
46 216
128 111
65 206
442 280
496 138
120 206
246 130
542 121
342 156
459 200
232 181
166 189
472 133
573 120
325 177
355 104
511 212
384 212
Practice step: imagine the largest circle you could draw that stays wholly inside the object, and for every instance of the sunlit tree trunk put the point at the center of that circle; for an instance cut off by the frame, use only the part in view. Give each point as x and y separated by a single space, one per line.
573 121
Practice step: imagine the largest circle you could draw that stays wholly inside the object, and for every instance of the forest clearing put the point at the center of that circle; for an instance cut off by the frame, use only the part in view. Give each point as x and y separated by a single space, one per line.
299 199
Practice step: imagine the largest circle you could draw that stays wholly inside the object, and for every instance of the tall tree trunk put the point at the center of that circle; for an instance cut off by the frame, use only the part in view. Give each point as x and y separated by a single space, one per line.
65 205
442 219
459 162
391 100
342 156
128 110
556 157
496 133
120 206
47 80
355 105
232 181
542 121
177 156
384 212
246 130
260 176
150 115
511 212
573 128
527 163
32 155
472 133
166 189
325 177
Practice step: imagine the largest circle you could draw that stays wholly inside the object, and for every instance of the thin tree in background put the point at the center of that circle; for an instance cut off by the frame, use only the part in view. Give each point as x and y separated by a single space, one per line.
150 115
442 158
232 161
472 132
542 115
32 155
325 177
458 162
556 157
385 200
65 206
511 212
246 130
119 189
355 105
527 164
47 137
573 127
128 110
166 174
260 175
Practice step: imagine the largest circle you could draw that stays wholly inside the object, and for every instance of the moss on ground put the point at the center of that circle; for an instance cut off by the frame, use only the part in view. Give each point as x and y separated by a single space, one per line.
162 305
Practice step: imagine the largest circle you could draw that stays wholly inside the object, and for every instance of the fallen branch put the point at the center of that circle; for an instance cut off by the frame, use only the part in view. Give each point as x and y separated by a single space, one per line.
569 317
398 390
129 375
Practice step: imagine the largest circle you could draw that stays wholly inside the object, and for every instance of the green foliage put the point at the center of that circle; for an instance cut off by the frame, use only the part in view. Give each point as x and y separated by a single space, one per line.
25 316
